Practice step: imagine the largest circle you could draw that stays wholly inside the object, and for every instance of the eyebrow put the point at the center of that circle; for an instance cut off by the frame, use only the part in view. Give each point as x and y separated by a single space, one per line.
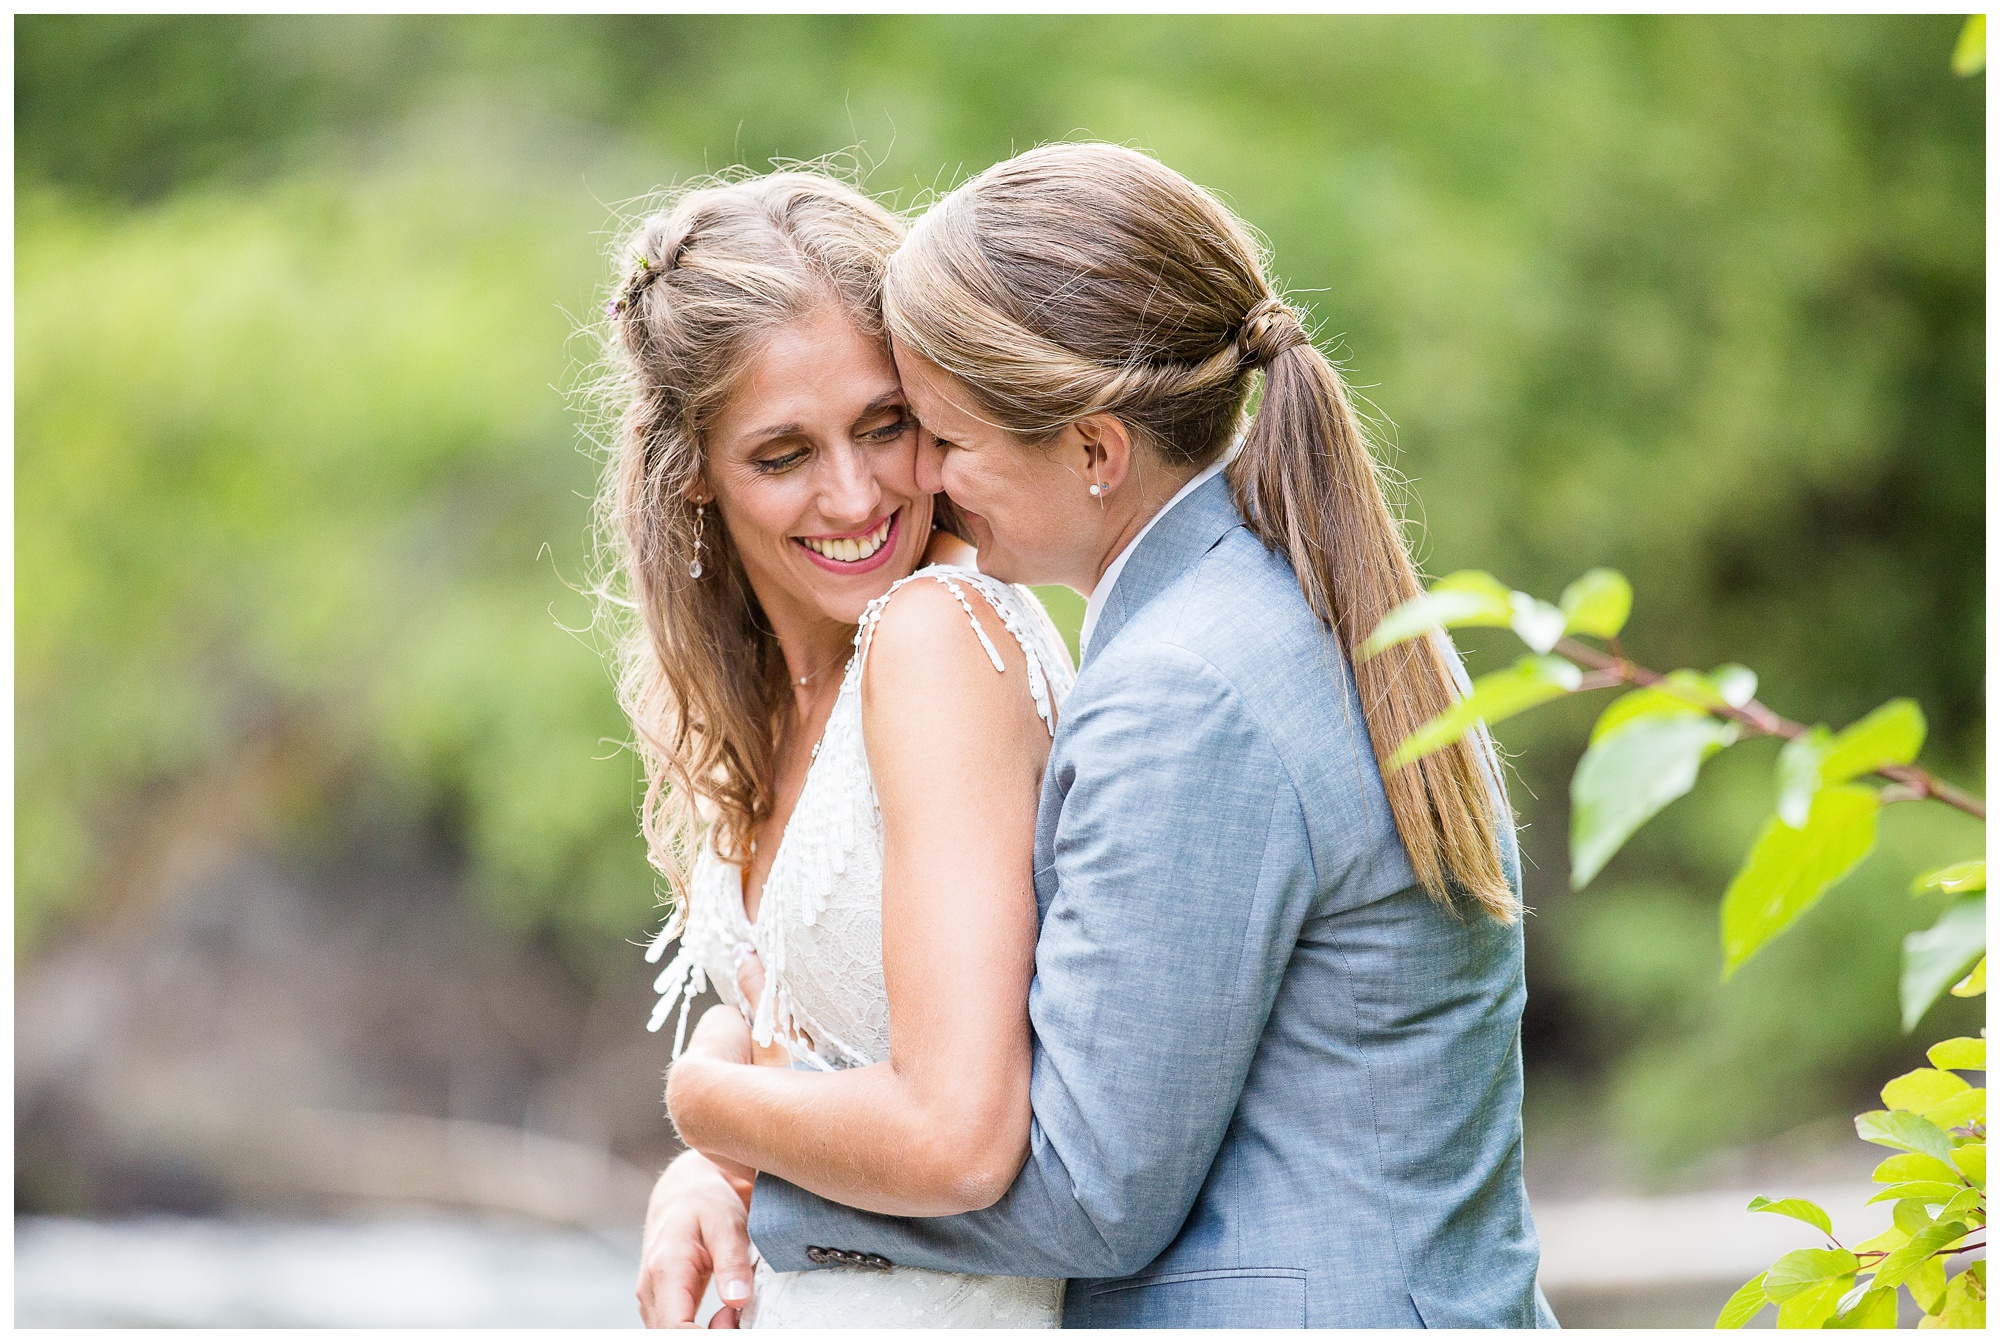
881 402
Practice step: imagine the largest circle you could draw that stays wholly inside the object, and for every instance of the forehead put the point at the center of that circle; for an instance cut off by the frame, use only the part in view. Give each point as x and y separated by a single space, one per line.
941 400
820 369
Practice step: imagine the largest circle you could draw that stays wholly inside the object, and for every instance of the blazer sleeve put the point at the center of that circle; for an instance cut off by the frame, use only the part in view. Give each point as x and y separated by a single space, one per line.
1182 877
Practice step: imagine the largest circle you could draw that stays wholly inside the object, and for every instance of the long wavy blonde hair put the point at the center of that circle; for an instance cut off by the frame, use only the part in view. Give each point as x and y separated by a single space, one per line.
1086 279
710 272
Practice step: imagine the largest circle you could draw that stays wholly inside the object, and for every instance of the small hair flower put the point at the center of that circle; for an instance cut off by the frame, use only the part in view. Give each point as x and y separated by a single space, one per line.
630 292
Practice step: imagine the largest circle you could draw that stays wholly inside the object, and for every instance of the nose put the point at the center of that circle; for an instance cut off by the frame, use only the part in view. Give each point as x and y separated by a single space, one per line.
930 463
849 493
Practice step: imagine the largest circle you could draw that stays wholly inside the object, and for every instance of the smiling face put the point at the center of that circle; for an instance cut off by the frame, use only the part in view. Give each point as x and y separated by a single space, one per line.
812 465
1029 508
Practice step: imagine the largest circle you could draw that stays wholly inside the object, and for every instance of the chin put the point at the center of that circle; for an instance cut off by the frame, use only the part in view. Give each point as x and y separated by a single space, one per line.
847 604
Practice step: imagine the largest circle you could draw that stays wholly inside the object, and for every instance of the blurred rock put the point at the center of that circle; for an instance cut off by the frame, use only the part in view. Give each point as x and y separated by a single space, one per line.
252 1036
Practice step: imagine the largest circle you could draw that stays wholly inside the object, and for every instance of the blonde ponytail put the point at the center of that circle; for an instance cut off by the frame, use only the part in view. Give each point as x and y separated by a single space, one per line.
1308 485
1082 279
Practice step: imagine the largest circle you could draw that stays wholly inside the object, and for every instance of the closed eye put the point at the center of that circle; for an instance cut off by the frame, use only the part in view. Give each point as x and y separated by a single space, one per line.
890 432
775 465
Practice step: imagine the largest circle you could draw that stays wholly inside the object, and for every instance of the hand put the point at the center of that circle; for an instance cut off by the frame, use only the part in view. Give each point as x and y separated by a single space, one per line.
750 983
697 1227
721 1041
722 1035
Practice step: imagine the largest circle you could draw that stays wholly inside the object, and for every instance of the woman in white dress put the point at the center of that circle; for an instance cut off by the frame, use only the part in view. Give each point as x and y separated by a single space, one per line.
843 750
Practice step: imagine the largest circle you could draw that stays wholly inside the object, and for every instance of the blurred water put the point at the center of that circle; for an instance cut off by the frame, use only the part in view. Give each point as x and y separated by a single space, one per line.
419 1271
1661 1262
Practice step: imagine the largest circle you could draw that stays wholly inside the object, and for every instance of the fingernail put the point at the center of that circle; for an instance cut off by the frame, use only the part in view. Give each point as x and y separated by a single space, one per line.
737 1291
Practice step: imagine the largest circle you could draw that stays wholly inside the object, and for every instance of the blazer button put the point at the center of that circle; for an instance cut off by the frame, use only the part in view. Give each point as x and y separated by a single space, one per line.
875 1261
819 1254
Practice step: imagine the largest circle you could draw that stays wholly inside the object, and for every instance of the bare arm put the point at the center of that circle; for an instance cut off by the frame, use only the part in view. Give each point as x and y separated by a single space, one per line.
956 751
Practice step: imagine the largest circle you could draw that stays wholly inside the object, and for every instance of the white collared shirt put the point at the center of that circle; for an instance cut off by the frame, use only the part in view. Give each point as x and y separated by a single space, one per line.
1102 592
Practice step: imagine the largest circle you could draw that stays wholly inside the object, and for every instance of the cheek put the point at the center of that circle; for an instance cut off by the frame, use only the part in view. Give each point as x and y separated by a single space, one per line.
897 471
969 482
763 515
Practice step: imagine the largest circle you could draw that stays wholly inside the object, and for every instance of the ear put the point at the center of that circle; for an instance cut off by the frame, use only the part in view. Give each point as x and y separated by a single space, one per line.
697 492
1107 451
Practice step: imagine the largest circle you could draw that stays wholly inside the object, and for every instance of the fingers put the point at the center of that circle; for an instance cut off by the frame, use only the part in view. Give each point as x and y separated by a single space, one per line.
727 1238
722 1034
726 1318
697 1227
669 1293
749 975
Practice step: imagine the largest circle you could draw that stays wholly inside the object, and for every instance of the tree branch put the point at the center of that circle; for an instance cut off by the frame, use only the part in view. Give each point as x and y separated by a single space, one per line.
1608 669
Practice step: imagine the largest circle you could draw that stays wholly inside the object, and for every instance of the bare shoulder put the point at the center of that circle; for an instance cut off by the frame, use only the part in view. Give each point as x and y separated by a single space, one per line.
942 636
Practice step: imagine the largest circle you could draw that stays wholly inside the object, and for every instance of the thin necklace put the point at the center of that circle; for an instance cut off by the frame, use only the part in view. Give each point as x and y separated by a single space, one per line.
841 655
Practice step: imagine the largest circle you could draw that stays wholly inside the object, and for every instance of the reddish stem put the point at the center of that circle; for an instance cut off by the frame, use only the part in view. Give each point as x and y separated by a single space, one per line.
1914 782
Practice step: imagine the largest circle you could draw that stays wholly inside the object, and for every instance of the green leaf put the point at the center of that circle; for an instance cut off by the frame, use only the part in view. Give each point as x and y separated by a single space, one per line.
1968 1107
1468 597
1962 1207
1627 776
1680 692
1904 1131
1743 1304
1971 1159
1736 683
1908 1166
1922 1191
1816 757
1889 1238
1914 1215
1875 1310
1813 1307
1798 774
1495 696
1925 1284
1957 879
1918 1091
1535 622
1597 604
1973 984
1789 869
1801 1269
1923 1244
1935 956
1891 735
1964 1051
1964 1305
1648 703
1798 1209
1968 55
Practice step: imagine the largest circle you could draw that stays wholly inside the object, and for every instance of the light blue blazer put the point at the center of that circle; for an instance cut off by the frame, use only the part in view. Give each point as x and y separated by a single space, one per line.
1274 1083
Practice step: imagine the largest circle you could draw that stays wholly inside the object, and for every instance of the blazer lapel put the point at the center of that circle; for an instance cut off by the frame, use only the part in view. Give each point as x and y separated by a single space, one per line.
1185 533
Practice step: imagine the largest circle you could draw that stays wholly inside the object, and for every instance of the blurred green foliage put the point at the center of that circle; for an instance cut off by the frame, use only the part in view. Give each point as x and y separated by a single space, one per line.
296 457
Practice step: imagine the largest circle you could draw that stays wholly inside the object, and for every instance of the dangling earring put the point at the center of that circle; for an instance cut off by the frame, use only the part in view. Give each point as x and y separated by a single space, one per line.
700 539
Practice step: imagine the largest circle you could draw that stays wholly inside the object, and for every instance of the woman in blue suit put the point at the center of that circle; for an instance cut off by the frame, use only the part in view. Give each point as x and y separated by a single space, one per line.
1277 997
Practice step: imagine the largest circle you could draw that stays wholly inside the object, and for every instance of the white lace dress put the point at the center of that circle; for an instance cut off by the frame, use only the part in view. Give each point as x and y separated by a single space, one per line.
818 932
